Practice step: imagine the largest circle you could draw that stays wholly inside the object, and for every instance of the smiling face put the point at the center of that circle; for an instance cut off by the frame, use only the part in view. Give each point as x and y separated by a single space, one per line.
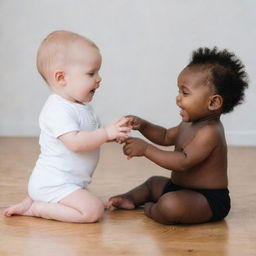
195 94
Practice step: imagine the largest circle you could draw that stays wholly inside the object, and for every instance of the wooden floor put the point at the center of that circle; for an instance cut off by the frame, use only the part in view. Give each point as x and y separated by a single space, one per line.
124 232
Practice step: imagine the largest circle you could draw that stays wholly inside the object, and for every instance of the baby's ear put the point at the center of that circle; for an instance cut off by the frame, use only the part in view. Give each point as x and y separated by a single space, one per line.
59 77
215 102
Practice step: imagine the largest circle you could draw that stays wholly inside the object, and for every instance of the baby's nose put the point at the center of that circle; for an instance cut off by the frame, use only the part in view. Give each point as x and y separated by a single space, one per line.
99 79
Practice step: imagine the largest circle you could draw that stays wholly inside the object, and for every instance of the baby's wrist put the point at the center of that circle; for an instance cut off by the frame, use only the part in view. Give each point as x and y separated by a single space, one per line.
146 149
142 125
105 133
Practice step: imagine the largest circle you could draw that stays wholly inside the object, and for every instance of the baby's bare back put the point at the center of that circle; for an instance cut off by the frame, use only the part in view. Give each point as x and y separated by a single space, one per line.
204 141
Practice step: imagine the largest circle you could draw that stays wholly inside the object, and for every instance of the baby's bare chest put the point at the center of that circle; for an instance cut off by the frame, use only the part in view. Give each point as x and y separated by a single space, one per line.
184 137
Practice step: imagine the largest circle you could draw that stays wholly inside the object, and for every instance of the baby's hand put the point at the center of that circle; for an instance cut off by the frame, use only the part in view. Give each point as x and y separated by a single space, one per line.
118 129
134 147
135 122
121 140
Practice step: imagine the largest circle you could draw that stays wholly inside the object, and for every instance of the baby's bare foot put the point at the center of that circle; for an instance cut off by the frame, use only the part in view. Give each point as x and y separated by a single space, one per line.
120 202
19 209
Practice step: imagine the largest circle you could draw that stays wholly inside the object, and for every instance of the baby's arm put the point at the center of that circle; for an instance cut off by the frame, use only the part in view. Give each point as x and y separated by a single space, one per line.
204 142
83 141
155 133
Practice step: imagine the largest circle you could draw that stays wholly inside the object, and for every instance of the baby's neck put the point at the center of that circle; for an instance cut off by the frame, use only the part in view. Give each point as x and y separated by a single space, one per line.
211 117
63 95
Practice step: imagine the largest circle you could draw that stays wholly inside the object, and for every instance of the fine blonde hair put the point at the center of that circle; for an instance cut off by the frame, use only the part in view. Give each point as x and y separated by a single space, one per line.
54 51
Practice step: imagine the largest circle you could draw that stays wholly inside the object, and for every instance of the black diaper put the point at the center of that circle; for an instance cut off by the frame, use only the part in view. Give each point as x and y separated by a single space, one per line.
218 199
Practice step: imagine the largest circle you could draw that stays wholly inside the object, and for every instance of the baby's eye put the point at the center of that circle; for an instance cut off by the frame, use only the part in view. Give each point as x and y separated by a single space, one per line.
183 92
91 74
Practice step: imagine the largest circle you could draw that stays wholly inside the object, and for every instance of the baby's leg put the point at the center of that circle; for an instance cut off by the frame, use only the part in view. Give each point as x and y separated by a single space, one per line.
88 208
80 206
182 206
150 190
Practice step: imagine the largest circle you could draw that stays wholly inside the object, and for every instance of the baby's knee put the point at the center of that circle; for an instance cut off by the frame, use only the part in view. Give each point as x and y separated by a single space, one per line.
93 214
171 210
150 182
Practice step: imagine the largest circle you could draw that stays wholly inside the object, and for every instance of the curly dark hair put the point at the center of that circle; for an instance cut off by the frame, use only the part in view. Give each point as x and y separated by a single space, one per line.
227 74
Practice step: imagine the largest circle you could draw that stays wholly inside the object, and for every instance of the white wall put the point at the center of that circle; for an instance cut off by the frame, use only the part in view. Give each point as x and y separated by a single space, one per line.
144 44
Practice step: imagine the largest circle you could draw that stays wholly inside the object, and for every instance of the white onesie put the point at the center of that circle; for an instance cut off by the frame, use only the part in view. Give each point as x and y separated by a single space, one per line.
59 171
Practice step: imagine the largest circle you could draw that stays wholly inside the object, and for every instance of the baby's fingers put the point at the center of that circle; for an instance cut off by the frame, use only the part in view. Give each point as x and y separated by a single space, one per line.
127 150
121 140
122 136
124 129
122 121
129 157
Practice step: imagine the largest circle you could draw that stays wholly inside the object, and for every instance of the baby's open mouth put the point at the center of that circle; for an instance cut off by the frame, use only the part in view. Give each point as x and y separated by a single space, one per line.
181 110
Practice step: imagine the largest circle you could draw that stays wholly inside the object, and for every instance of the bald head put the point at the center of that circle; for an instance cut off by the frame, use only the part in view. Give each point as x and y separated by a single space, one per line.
57 50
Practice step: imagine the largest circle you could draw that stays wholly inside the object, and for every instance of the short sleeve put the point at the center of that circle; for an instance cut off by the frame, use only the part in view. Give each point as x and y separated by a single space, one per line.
59 118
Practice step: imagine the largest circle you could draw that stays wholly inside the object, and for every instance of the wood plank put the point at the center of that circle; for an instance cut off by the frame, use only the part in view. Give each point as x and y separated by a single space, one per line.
124 232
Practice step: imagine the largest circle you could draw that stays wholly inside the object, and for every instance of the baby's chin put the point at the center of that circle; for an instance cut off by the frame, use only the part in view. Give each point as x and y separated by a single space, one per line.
89 98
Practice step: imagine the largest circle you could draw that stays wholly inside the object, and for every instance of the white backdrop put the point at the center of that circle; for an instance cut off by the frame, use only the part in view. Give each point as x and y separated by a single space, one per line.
144 44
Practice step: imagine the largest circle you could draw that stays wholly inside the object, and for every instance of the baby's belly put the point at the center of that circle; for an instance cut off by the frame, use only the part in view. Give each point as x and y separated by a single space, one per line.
76 169
192 179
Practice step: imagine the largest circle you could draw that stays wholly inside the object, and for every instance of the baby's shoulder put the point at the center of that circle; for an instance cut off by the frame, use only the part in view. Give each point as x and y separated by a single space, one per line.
56 108
211 133
55 103
204 130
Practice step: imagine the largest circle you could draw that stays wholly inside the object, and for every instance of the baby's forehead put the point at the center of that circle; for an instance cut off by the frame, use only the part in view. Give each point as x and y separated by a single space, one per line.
195 70
196 75
82 53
